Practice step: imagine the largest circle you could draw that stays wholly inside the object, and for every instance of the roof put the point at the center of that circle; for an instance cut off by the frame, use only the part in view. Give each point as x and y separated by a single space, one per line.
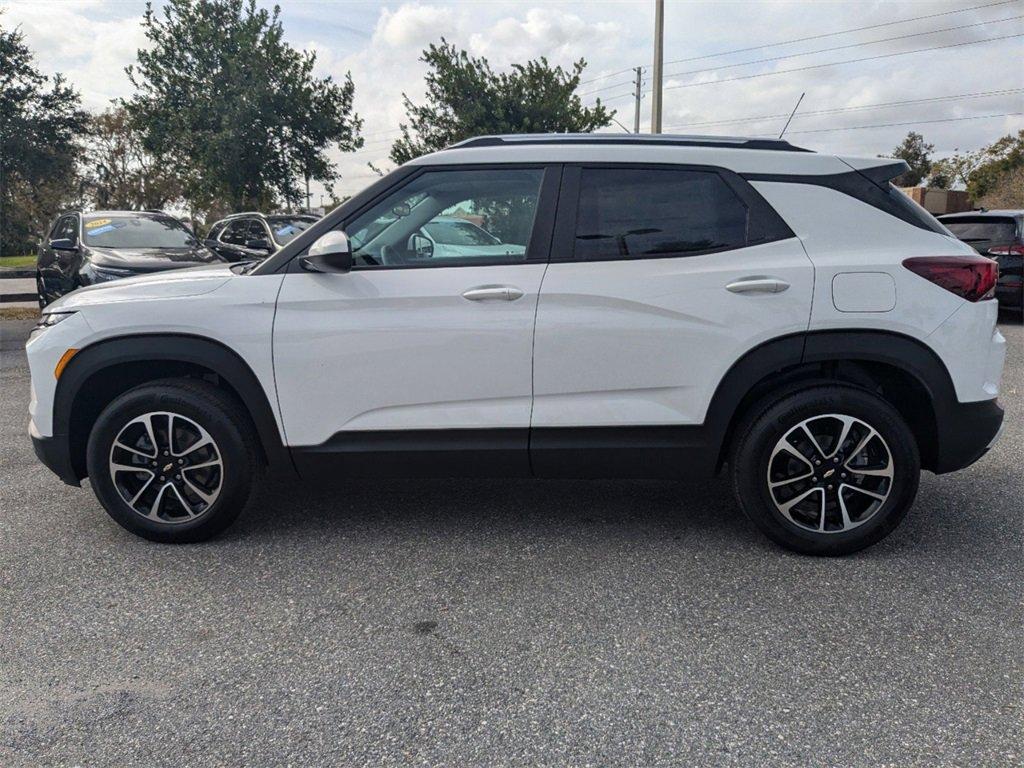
310 216
740 154
635 139
121 213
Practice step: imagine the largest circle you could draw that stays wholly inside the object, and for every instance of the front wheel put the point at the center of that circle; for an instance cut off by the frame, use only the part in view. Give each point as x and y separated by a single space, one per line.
827 470
173 461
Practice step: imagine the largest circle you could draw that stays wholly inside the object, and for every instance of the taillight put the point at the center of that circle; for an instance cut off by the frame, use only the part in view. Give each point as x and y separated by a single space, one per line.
969 277
1007 250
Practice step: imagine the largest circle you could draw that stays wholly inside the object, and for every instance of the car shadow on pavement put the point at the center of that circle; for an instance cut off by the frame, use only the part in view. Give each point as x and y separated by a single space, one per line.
637 508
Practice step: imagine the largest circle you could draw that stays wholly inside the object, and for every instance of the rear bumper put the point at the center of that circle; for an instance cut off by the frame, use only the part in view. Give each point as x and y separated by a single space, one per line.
965 432
55 453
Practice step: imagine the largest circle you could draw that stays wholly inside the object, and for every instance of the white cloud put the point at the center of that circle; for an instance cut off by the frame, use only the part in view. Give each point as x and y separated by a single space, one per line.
91 41
413 26
550 32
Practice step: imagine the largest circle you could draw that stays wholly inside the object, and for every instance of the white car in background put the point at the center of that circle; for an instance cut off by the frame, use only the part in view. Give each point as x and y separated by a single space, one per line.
445 237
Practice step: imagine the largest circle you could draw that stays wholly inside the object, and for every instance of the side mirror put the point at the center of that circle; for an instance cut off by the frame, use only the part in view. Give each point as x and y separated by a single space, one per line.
258 244
330 253
63 244
421 246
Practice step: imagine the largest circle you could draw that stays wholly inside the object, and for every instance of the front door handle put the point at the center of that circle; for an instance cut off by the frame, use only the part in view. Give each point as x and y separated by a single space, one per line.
757 285
493 293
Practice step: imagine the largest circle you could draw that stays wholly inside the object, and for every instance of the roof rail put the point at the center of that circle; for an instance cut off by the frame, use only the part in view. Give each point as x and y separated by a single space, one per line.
660 139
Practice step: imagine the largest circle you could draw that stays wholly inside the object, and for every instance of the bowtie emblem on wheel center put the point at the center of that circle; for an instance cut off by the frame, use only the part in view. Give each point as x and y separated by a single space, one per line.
170 465
829 473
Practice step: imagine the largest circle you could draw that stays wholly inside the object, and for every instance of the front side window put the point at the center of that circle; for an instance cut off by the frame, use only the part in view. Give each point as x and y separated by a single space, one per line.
644 213
236 232
136 232
256 231
450 218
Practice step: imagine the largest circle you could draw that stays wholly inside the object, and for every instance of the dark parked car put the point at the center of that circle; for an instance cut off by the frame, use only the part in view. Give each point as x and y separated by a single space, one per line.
1000 236
88 248
253 235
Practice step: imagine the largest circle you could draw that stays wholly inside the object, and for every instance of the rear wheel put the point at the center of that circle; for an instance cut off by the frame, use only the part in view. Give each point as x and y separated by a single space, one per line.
173 461
827 470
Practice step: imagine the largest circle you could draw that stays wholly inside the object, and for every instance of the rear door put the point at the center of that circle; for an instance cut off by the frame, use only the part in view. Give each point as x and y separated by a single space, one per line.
661 278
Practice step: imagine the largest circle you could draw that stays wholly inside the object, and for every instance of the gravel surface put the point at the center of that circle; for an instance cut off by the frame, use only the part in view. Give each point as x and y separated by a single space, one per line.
507 623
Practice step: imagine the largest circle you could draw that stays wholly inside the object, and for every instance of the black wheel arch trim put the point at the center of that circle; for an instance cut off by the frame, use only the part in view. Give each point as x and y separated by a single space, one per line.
956 447
172 348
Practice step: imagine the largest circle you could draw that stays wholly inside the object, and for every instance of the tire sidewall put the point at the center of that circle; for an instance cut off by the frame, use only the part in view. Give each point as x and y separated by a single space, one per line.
236 471
751 470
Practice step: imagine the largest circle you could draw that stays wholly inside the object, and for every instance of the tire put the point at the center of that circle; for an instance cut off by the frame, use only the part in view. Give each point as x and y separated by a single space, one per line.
854 497
161 497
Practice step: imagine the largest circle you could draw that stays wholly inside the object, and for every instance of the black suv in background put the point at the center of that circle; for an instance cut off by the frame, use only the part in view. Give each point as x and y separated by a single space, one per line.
87 248
1000 236
253 235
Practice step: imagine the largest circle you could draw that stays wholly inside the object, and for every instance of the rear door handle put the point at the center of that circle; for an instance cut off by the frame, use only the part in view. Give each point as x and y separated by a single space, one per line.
757 285
493 293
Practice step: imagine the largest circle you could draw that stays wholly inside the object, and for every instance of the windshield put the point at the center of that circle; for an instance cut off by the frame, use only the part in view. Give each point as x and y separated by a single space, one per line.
989 231
286 228
136 232
459 233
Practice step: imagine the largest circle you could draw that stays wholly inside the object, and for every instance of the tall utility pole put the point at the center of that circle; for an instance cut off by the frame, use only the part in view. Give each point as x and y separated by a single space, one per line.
659 34
636 95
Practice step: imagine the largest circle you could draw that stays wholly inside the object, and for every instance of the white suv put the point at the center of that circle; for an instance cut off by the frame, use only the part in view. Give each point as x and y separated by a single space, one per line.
675 305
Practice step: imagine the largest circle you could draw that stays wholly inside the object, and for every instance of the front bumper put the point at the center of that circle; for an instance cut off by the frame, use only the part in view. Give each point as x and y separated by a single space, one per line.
965 433
55 453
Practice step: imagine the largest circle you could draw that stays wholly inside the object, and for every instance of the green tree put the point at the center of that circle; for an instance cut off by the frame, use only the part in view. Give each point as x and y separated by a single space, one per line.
995 164
465 98
119 171
955 170
232 108
917 153
40 123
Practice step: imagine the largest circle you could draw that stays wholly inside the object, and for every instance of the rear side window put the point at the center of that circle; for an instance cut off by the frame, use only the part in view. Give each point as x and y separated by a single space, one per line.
637 213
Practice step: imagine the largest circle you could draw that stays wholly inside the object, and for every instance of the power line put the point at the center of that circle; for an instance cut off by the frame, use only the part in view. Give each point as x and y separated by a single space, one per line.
845 61
911 122
811 37
812 53
844 47
863 107
842 32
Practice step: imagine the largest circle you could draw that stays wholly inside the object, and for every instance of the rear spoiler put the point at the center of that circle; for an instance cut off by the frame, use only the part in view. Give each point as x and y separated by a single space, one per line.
879 170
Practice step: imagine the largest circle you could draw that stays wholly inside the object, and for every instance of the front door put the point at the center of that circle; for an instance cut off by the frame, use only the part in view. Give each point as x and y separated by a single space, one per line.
419 361
661 278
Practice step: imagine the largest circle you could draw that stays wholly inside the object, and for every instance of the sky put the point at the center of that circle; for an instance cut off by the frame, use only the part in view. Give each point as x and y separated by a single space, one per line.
731 68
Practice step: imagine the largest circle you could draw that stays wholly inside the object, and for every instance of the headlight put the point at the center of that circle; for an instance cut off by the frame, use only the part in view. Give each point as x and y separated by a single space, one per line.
50 319
103 273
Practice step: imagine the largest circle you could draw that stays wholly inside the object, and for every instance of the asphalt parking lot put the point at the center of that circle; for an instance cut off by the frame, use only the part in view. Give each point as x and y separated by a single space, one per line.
508 623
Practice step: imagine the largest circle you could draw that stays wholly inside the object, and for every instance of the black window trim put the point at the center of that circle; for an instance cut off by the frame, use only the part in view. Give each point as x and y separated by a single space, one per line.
537 251
768 221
